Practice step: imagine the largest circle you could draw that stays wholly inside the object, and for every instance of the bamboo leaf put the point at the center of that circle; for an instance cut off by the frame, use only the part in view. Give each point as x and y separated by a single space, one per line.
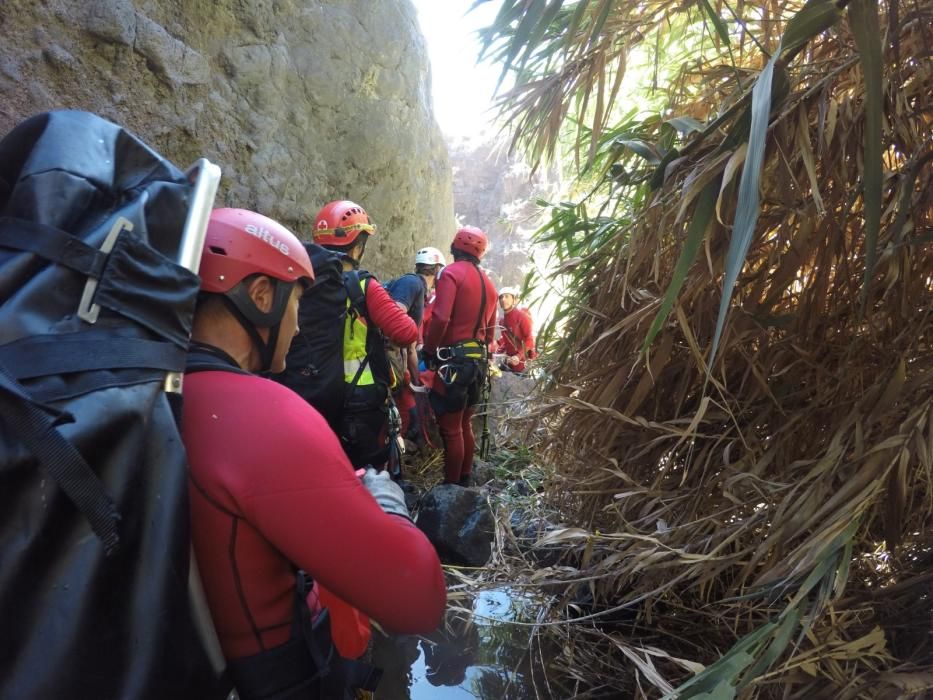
660 173
812 19
685 125
863 17
528 22
806 154
746 214
534 39
788 624
524 42
728 667
721 29
732 166
646 150
698 225
563 535
600 21
724 690
574 24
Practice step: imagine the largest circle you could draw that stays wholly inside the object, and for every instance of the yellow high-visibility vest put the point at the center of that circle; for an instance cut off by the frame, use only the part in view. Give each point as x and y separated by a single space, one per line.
354 346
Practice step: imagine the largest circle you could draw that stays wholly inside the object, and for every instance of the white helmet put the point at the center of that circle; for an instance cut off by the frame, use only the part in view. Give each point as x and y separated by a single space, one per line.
429 256
509 290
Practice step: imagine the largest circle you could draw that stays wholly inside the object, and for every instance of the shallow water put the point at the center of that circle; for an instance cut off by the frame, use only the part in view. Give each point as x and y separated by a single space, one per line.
489 659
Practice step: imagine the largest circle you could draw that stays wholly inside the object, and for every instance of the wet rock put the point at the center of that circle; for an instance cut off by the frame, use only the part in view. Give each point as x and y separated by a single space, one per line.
521 487
412 494
528 530
482 472
458 522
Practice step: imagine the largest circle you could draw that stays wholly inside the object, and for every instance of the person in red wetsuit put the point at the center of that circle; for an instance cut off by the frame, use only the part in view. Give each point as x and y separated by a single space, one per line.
272 491
517 341
410 293
344 228
462 327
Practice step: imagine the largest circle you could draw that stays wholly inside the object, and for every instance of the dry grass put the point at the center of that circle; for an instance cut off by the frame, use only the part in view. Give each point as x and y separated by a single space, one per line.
770 513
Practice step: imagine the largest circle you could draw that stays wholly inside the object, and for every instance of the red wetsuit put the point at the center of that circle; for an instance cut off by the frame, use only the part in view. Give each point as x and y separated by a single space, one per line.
517 337
271 490
456 311
364 429
394 323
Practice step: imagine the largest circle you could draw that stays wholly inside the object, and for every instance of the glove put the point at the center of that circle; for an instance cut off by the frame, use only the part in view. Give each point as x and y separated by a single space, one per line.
387 493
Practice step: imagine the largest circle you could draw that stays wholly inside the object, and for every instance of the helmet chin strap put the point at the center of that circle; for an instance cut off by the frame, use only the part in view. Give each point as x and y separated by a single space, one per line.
344 257
343 252
251 318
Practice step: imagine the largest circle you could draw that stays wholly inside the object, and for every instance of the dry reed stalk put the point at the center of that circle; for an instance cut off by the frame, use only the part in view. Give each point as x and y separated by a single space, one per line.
788 487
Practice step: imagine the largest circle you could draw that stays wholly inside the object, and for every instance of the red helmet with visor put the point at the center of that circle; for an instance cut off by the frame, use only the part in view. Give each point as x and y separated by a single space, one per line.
241 243
339 224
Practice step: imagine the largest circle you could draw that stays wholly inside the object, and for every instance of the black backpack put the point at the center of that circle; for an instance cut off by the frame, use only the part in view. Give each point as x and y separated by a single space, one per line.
95 317
314 366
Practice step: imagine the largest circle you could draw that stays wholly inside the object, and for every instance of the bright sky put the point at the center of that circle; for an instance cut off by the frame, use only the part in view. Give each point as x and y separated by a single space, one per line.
462 89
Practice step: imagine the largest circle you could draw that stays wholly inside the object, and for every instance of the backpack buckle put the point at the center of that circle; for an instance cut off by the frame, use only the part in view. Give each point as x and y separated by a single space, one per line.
88 311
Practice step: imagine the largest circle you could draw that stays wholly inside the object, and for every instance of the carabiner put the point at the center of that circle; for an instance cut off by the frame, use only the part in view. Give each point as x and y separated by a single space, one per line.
443 371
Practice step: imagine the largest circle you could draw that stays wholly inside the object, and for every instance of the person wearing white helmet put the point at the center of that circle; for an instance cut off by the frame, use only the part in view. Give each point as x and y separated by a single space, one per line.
410 292
517 341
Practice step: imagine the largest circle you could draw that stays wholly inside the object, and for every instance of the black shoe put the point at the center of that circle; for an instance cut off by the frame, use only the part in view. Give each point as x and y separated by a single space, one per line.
466 481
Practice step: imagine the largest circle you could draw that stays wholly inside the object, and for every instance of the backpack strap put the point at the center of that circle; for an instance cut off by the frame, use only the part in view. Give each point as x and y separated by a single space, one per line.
357 283
86 351
52 244
357 297
355 293
34 423
482 302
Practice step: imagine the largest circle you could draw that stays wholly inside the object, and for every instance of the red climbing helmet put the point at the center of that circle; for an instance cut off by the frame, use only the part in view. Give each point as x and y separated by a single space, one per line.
240 243
470 240
339 223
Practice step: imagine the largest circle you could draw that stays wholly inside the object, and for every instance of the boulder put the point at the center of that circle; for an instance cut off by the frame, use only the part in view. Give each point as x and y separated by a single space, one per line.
482 472
458 522
412 494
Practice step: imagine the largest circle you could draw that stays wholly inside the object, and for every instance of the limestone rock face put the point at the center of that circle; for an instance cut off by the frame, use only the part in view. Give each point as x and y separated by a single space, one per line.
298 101
497 192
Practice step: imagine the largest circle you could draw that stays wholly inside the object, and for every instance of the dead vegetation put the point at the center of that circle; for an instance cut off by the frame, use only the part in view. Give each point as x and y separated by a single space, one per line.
745 477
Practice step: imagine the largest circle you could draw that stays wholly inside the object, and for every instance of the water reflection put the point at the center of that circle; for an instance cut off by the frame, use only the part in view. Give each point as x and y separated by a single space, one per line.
484 658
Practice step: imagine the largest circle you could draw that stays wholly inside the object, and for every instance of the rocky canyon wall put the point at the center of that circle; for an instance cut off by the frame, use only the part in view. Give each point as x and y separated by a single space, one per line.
498 193
299 102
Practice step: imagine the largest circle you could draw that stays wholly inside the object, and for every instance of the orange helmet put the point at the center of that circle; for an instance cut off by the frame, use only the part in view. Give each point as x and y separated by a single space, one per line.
339 224
471 240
